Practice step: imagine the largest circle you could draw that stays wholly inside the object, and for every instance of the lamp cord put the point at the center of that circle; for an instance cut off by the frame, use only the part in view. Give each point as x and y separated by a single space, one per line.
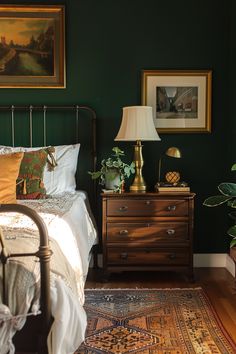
159 169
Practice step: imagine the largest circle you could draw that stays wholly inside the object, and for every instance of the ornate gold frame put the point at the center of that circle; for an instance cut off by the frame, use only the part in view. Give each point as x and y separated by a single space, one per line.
55 13
199 78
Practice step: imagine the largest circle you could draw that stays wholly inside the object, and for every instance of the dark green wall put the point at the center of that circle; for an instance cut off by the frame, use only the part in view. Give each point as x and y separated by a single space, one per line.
109 43
232 87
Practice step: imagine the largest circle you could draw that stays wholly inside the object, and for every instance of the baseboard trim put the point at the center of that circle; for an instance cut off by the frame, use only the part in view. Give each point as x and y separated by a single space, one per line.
207 260
214 260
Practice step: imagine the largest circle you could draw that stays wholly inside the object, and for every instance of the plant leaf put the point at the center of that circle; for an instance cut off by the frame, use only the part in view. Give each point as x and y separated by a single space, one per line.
233 168
233 243
228 189
118 152
95 175
232 203
232 231
216 200
116 164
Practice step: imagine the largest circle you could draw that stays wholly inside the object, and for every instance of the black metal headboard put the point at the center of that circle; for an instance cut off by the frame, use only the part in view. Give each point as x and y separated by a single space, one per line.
43 125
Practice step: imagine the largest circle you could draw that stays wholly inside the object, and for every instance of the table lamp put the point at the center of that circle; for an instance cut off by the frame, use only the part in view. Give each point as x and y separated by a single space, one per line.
137 125
171 152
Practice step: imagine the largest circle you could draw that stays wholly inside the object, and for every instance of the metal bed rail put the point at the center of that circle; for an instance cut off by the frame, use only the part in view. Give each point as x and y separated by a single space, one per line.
43 253
45 109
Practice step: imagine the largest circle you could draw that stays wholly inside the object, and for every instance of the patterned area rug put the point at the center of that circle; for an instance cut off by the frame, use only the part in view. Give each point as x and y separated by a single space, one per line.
155 321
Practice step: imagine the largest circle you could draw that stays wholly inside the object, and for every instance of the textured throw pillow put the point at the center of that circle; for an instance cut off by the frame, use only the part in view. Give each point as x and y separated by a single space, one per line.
30 180
9 170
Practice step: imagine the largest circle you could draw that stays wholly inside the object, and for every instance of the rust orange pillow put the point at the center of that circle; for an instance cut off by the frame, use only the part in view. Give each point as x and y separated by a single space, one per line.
9 170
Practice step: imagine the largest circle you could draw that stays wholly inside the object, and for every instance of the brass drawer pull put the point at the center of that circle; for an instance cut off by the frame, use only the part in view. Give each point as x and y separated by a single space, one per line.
148 202
124 255
171 207
172 256
123 208
123 232
170 231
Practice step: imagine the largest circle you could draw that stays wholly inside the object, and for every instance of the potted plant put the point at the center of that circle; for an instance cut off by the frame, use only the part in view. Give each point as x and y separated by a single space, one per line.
114 171
228 195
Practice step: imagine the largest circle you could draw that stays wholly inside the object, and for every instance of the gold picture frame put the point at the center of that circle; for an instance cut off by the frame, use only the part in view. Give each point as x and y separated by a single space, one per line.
32 46
181 99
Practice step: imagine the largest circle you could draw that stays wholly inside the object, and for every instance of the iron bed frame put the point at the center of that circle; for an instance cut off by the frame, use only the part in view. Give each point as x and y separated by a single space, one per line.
43 252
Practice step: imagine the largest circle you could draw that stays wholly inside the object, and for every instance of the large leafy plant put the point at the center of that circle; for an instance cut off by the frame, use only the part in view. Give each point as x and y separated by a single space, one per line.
228 196
112 166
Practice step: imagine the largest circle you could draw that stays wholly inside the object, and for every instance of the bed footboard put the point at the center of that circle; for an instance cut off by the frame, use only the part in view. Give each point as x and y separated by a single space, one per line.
44 254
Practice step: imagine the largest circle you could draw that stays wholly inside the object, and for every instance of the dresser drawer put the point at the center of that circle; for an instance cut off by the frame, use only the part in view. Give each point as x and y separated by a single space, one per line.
155 256
147 232
147 207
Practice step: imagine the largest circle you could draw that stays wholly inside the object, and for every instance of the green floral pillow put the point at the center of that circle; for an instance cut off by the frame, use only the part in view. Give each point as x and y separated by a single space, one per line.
30 180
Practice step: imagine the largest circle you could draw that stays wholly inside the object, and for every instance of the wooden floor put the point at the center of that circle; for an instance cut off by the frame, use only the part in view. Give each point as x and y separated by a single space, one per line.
218 283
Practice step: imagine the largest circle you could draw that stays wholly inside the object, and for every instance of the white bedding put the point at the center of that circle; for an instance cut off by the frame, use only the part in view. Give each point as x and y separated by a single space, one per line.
71 225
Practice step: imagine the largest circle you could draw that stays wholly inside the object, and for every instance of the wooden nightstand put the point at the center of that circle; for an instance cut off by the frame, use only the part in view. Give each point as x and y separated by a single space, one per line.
148 231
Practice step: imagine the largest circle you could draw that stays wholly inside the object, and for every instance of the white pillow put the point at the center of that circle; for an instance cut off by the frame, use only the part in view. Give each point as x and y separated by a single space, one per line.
62 178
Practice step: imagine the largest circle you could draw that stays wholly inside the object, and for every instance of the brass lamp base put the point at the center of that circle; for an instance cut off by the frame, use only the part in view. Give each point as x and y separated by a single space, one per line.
138 184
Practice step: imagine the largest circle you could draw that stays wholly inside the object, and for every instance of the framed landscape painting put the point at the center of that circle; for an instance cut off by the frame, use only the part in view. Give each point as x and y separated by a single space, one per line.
181 100
32 46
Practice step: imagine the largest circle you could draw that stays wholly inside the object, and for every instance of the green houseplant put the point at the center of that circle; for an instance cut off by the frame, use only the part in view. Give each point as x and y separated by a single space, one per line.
114 171
228 196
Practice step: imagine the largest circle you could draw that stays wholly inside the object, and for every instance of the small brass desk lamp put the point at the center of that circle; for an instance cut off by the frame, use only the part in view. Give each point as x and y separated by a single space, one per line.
171 152
137 124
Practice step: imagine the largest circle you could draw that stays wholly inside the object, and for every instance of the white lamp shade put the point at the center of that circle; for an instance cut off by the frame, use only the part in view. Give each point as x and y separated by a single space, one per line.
137 124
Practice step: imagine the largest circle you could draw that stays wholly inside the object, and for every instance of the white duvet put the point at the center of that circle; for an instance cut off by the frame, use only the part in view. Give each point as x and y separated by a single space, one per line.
71 227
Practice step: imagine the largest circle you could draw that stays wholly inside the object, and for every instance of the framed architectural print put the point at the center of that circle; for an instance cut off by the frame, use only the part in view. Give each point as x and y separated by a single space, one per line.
181 100
32 46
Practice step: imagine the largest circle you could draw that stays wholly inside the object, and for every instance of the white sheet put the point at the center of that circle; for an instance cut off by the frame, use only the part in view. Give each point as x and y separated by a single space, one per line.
70 223
69 326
